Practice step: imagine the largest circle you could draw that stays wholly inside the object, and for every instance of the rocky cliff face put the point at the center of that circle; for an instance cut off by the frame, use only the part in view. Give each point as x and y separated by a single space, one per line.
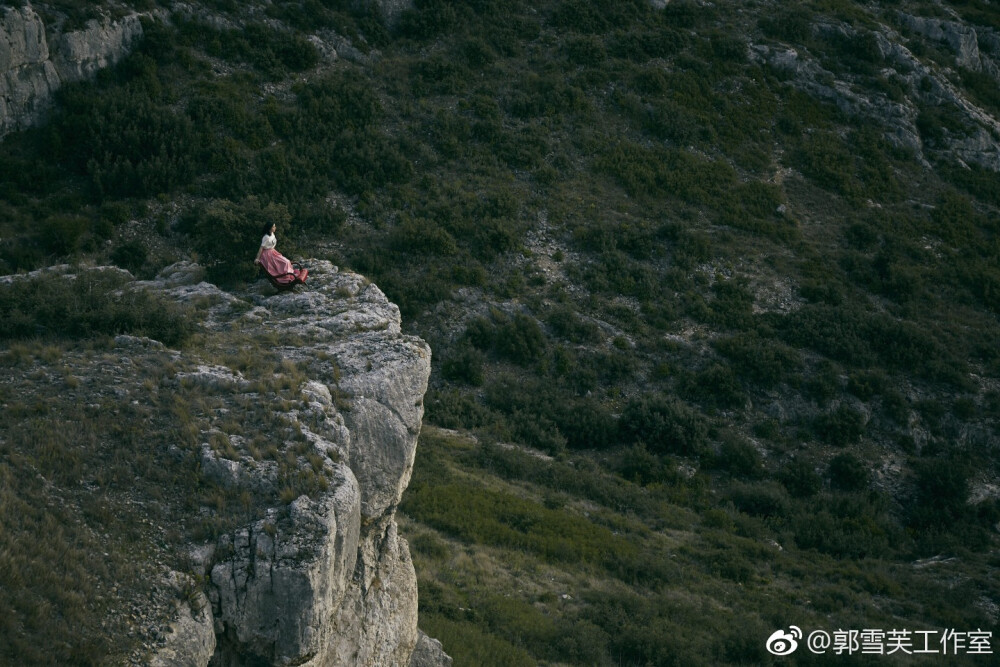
927 85
324 578
33 67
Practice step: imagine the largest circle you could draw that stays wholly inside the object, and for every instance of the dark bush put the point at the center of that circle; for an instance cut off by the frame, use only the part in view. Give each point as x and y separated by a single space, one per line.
856 536
566 323
738 457
665 425
792 24
586 423
942 493
63 234
90 304
859 338
765 499
130 255
520 339
227 235
848 473
840 427
126 140
759 361
464 364
714 386
866 384
799 476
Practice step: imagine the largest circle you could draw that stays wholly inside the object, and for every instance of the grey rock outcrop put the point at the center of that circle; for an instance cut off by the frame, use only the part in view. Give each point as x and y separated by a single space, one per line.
962 39
32 68
325 580
80 54
191 640
286 578
925 86
429 653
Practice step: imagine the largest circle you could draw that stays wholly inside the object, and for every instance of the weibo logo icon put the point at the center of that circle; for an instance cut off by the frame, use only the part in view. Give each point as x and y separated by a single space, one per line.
784 643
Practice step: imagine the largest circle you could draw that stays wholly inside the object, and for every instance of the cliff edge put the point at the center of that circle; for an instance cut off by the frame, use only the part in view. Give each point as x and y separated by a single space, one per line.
325 580
287 425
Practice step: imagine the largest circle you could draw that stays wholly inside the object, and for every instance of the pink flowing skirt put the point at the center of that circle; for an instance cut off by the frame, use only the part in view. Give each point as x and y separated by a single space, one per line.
278 266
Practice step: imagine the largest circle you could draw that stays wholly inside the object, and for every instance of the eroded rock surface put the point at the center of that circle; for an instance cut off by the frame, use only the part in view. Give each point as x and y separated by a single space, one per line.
325 580
32 69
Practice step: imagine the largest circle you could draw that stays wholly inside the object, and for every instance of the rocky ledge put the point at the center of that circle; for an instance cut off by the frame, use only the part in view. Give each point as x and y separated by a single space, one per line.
319 579
326 580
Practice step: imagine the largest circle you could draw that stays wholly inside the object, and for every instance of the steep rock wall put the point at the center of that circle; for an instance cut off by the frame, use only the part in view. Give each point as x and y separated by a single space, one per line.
326 580
927 84
32 68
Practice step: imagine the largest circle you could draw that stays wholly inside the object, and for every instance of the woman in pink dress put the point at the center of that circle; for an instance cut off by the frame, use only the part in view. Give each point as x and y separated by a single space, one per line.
276 264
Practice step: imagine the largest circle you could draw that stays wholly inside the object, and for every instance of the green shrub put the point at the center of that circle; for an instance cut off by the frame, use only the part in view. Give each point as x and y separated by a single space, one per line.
517 338
468 642
470 512
131 256
842 426
93 303
665 425
126 139
942 493
764 499
271 51
714 386
791 24
637 464
799 476
855 537
567 323
587 423
63 234
452 409
848 334
866 384
465 364
847 472
757 360
738 457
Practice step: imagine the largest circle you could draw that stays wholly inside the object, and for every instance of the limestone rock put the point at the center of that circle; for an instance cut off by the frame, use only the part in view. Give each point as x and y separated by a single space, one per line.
82 53
326 580
286 577
429 653
962 39
377 624
191 640
22 38
31 69
926 87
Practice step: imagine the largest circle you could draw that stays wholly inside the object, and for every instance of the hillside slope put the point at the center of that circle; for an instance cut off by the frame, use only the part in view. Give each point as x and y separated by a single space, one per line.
737 262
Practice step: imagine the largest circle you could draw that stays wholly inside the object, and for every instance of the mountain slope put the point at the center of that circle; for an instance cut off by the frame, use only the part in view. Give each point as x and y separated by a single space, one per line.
741 256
